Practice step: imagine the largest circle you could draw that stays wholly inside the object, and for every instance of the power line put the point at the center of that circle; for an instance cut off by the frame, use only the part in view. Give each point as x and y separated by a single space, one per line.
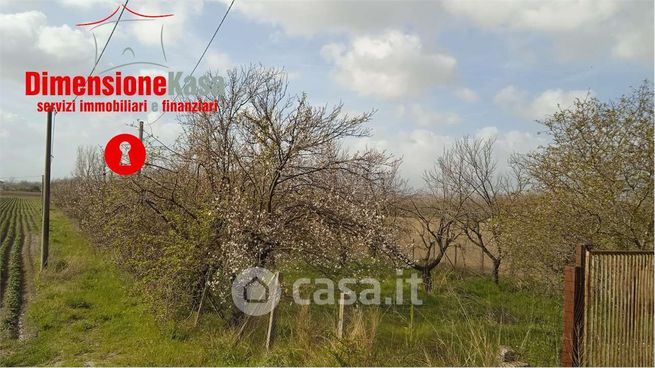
108 39
54 115
97 61
213 36
201 56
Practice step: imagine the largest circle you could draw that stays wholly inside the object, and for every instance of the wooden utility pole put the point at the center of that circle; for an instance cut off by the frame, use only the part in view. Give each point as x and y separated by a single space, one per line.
141 130
143 190
342 303
45 224
42 187
272 319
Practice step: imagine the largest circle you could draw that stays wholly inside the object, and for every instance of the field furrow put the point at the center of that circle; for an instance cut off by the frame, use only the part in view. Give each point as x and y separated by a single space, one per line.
18 218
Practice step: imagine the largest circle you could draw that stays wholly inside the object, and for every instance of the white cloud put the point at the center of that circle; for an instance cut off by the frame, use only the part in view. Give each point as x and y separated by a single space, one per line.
391 66
63 41
634 46
293 75
87 4
487 132
153 72
218 61
553 99
166 131
545 104
175 27
420 148
509 143
580 28
18 146
466 94
309 18
519 142
35 45
427 118
144 37
149 32
509 96
409 146
551 16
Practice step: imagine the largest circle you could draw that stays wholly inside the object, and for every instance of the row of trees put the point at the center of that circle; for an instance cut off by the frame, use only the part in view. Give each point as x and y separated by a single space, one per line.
266 180
262 181
467 199
593 184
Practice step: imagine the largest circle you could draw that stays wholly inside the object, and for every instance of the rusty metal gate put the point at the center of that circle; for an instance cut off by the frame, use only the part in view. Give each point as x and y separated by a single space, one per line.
608 309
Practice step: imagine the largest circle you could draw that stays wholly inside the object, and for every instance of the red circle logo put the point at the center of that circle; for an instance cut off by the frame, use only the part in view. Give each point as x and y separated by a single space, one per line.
125 154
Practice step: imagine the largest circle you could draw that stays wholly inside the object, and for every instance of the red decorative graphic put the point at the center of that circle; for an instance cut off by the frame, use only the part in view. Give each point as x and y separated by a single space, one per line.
129 10
125 154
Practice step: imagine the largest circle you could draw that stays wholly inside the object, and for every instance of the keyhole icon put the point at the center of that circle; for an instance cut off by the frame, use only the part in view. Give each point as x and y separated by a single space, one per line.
125 158
125 154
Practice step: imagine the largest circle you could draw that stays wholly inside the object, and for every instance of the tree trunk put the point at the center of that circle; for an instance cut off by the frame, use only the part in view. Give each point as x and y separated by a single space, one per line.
343 257
263 258
236 315
427 279
496 270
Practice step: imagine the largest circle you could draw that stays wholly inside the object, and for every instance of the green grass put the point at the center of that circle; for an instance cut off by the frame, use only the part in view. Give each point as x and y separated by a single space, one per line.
463 321
85 311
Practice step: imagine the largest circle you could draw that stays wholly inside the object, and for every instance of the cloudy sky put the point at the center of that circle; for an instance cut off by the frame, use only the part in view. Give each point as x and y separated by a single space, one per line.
434 71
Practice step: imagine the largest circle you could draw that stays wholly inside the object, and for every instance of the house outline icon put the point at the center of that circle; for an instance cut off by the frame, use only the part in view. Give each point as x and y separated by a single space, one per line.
256 291
139 17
